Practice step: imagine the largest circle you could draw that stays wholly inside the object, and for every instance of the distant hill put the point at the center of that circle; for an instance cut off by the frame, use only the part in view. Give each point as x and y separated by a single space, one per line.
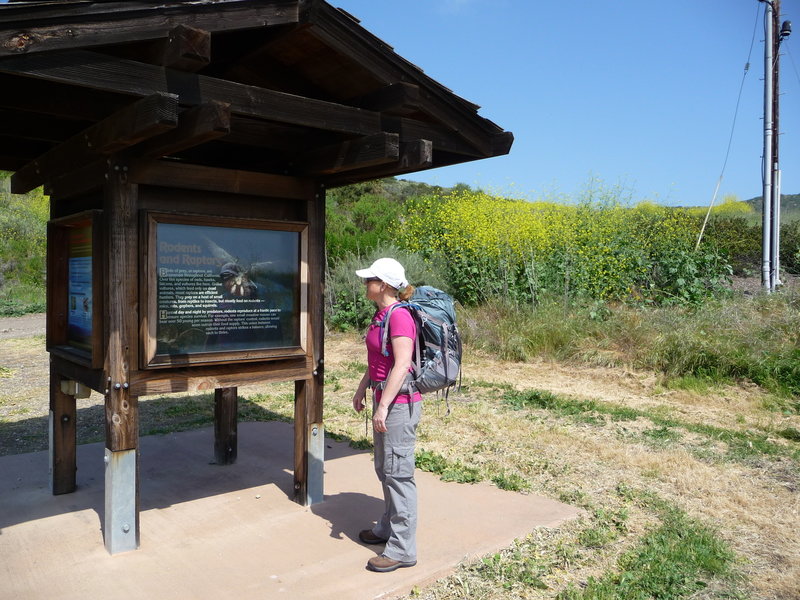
790 203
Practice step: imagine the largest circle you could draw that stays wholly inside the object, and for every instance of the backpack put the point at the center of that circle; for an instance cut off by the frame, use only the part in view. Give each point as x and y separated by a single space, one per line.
437 357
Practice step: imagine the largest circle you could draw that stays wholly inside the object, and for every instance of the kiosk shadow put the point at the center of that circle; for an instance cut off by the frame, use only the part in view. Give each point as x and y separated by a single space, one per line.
173 468
348 513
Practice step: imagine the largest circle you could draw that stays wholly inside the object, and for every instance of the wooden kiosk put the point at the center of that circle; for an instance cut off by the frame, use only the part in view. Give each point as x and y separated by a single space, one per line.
186 148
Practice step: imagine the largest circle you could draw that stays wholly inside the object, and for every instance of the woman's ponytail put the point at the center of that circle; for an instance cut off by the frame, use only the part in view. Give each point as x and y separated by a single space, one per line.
406 293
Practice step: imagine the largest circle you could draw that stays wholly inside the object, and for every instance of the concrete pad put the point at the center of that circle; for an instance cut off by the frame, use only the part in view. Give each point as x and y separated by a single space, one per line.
210 531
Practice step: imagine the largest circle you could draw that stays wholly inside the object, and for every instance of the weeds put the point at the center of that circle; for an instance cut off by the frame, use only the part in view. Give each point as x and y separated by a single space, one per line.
718 342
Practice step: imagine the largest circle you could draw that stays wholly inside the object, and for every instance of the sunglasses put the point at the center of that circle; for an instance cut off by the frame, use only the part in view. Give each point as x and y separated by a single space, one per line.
371 279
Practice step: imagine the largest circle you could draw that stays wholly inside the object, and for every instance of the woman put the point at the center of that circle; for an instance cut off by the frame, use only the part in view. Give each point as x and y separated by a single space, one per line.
396 414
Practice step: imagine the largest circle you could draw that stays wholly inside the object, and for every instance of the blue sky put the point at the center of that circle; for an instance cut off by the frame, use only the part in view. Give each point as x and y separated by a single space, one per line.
639 94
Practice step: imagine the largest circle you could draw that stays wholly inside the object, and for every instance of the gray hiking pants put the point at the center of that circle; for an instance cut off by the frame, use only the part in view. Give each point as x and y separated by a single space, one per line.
394 464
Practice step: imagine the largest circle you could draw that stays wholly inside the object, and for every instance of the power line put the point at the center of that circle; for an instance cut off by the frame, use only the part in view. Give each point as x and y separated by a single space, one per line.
733 127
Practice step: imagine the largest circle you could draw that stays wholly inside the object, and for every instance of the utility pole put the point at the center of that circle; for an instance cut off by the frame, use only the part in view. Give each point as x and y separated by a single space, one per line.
771 216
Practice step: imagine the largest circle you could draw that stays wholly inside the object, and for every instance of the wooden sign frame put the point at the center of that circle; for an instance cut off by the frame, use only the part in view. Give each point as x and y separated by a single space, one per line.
153 357
58 289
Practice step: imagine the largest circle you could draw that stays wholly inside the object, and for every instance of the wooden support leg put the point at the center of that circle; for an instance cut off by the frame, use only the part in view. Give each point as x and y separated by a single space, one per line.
62 438
226 413
121 521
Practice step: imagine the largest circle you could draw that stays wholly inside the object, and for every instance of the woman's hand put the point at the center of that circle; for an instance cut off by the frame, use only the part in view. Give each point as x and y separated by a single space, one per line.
359 400
379 418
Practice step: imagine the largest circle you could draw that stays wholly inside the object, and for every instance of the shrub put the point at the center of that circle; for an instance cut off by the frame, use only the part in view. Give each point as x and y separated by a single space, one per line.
597 249
23 239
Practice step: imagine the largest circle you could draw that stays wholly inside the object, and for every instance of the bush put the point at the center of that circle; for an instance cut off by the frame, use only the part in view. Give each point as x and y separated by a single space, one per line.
23 243
595 250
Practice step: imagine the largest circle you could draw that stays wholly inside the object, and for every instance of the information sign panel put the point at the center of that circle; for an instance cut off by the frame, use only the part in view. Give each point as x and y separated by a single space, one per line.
79 284
225 289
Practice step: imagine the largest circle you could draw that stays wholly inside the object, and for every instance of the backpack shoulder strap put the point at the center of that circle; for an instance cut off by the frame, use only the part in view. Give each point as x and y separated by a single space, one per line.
385 326
385 332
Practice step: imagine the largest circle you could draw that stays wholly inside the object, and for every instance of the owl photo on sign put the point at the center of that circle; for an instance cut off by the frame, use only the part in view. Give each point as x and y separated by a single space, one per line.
238 281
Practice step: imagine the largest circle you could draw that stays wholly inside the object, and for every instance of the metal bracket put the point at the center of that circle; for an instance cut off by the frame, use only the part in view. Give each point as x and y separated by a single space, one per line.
316 463
121 521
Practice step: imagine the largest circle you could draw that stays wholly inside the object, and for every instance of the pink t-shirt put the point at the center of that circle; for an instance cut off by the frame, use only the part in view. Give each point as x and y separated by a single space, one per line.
401 324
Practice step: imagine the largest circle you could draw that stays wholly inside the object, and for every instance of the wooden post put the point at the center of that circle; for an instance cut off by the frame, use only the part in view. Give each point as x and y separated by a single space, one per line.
309 433
121 522
226 415
62 438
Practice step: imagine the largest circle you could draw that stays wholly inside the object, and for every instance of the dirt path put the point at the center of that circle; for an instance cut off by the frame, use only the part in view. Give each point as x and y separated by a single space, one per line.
22 327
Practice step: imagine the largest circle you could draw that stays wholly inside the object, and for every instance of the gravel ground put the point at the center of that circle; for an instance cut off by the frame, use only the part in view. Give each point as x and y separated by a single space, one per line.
22 327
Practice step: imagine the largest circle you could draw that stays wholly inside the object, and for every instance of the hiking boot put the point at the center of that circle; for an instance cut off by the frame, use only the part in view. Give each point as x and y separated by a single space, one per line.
382 564
368 537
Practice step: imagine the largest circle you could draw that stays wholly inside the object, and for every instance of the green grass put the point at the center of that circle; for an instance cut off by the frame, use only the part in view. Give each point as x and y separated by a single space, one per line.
673 561
741 445
447 470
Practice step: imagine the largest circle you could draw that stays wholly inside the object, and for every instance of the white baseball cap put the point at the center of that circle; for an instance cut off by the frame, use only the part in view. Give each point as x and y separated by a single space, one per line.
387 270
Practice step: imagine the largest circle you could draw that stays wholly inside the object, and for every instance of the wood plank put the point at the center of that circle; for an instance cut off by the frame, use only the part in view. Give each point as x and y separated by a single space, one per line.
145 383
102 72
58 26
225 425
121 326
69 369
57 292
396 97
360 153
196 125
141 120
185 49
442 138
501 143
219 180
77 181
63 437
414 156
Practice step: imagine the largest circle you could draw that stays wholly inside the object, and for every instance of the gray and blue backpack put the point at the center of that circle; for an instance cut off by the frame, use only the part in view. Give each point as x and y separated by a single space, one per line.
437 356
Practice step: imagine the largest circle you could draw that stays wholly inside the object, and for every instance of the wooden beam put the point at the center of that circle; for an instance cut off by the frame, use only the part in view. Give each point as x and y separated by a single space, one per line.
195 126
442 138
63 437
155 381
361 153
414 156
69 369
197 177
58 26
143 119
78 181
98 71
185 49
397 97
121 326
225 425
501 143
